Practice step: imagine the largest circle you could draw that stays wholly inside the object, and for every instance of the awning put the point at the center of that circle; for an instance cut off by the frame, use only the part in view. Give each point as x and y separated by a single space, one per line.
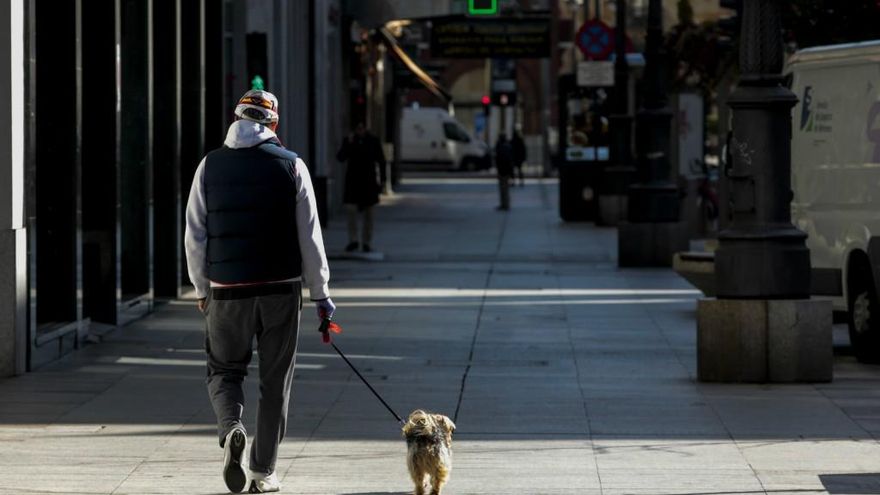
423 77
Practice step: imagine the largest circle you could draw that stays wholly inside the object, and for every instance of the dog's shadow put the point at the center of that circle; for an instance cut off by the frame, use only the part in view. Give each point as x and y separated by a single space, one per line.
378 493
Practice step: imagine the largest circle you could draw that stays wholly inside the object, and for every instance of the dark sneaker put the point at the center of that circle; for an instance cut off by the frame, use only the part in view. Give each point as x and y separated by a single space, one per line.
352 246
233 450
367 248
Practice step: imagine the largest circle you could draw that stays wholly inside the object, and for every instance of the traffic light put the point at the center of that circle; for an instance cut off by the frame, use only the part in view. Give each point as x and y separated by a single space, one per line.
504 98
487 102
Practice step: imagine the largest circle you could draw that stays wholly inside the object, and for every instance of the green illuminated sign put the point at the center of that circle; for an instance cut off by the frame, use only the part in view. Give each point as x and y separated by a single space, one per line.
258 83
482 7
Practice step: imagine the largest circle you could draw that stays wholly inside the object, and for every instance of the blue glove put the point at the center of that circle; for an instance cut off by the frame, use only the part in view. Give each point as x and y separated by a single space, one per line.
325 308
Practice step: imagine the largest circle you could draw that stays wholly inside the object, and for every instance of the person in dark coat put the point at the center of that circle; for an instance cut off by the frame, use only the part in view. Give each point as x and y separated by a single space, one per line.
363 153
504 166
519 157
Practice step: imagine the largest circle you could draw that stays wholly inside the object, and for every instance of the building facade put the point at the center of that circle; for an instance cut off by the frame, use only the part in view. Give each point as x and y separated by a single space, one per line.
107 108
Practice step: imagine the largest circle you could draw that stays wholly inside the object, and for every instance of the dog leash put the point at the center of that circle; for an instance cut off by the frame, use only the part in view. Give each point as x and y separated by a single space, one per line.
327 326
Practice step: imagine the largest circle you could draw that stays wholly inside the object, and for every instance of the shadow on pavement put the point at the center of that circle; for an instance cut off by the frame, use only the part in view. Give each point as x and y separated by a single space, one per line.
851 484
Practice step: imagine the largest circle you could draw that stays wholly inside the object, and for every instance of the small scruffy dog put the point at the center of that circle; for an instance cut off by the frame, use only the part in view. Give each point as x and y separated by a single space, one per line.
428 449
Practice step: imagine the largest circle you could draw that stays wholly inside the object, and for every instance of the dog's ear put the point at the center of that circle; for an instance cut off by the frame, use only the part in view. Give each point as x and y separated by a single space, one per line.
446 422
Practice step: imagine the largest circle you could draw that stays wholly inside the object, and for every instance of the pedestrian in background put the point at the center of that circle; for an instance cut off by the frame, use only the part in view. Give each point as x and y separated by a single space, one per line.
363 153
504 167
519 157
252 237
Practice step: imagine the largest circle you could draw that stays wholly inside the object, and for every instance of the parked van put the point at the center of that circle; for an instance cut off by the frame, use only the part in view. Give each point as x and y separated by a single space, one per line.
432 136
836 179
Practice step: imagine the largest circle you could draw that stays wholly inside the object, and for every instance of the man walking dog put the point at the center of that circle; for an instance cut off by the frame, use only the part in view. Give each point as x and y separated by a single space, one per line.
252 239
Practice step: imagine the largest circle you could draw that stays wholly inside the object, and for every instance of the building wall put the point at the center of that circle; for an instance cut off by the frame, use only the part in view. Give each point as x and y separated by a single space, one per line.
12 229
91 202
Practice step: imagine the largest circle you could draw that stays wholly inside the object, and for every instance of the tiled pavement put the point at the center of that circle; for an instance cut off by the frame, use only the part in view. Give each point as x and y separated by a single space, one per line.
567 376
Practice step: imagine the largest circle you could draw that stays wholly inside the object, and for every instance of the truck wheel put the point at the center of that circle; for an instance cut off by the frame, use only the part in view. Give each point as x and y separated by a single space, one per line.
864 313
468 164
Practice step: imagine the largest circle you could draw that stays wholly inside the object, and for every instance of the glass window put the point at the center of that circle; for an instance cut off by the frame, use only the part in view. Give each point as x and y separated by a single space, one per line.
455 133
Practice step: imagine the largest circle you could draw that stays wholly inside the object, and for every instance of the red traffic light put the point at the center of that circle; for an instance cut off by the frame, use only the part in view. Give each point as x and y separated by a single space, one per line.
486 100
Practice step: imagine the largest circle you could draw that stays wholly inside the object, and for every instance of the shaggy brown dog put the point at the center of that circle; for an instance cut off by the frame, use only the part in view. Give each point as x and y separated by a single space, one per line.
429 449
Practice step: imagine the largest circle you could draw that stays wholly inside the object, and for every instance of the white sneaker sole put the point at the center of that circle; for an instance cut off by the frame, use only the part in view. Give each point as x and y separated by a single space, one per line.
255 489
233 471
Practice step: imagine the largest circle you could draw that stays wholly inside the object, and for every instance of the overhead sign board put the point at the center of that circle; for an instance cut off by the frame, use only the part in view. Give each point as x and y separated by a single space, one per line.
595 74
485 38
504 85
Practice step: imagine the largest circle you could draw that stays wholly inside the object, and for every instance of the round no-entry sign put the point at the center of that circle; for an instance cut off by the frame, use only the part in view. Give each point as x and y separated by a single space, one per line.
595 39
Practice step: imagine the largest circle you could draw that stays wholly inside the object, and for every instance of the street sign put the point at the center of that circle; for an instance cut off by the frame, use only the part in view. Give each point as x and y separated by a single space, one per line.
504 85
488 38
595 74
482 7
595 39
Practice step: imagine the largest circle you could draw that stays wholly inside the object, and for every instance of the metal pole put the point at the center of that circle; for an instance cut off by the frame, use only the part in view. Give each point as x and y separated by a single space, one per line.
619 173
545 116
621 121
655 199
761 254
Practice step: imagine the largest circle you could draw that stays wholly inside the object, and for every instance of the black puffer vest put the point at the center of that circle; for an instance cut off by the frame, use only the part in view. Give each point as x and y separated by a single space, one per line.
251 201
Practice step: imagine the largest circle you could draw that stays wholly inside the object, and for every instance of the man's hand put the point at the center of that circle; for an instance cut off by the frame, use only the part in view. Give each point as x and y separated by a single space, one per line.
325 308
203 303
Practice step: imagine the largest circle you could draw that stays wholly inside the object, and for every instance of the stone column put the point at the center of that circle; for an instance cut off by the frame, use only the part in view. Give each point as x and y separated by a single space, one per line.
763 327
653 233
13 239
167 199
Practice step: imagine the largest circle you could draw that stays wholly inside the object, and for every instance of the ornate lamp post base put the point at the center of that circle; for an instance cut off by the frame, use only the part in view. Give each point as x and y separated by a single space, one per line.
653 234
650 244
763 327
764 341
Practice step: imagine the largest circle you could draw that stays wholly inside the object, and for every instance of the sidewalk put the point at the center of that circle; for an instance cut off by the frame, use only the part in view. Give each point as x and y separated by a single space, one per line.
568 376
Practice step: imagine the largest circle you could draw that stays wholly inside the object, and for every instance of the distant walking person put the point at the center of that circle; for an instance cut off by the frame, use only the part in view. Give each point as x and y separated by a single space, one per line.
364 155
252 238
519 157
504 167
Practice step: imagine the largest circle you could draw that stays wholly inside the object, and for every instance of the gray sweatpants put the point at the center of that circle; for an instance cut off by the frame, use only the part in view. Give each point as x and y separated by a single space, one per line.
232 325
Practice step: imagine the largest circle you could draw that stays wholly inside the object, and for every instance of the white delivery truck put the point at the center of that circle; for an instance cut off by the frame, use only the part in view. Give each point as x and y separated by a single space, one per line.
836 179
430 136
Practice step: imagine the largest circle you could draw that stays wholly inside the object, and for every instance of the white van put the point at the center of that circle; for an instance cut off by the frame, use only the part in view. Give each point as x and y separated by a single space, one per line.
432 136
836 179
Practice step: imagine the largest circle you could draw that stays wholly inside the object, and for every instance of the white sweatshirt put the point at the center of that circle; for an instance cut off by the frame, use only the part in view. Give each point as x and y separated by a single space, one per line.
316 272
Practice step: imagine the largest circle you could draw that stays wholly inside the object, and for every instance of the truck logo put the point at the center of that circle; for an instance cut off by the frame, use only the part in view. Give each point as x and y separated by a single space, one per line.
807 110
816 114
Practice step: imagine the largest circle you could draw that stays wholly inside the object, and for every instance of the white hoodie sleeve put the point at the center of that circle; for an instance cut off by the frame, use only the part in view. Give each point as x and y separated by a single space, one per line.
316 271
196 236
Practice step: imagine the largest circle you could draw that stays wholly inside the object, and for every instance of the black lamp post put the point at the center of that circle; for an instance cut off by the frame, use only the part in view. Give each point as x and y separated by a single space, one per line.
621 121
761 254
655 198
619 174
763 327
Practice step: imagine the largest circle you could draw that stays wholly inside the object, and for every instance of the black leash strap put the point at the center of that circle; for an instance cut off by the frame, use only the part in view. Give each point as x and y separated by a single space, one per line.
324 329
